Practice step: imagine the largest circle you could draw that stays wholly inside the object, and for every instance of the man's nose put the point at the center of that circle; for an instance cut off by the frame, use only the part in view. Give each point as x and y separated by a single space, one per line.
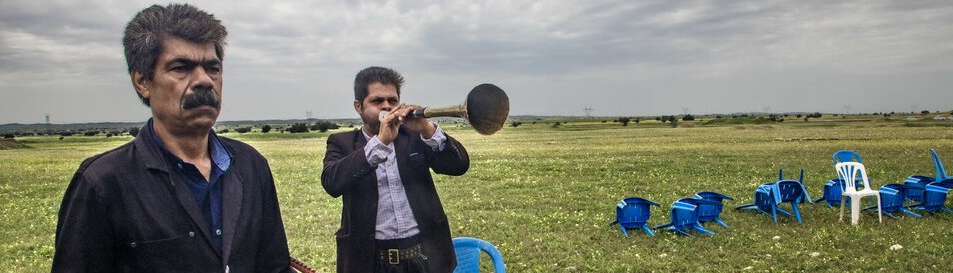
202 79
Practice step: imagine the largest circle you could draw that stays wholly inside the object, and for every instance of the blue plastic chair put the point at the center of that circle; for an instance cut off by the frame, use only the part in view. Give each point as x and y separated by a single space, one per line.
685 216
934 197
917 183
711 212
833 188
633 212
892 197
468 255
769 196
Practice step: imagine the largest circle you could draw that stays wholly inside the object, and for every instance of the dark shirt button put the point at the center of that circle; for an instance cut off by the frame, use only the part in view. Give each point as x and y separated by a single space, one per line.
133 244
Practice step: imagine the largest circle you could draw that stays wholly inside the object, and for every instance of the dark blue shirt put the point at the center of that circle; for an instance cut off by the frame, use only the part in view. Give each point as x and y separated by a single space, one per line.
207 194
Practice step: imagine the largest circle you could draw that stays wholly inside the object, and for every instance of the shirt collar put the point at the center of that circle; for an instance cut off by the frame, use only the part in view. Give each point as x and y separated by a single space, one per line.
220 155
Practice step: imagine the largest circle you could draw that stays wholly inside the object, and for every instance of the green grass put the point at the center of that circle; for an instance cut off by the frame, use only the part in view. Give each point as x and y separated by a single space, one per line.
544 196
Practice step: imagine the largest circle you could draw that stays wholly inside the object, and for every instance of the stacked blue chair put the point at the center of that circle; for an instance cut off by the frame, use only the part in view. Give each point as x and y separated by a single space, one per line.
892 197
834 187
685 216
916 184
468 255
933 198
633 212
768 197
711 212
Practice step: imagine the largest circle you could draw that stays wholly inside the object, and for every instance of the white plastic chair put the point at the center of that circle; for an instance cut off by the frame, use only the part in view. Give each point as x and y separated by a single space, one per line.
848 172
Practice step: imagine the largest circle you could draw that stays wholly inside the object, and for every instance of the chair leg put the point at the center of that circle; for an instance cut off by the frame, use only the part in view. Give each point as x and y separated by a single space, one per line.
842 208
797 213
880 212
855 210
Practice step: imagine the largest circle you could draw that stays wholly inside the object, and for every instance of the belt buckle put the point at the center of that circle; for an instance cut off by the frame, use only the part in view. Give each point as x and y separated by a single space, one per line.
393 256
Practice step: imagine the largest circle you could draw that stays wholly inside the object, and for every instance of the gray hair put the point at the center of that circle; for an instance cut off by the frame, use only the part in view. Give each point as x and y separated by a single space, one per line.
142 40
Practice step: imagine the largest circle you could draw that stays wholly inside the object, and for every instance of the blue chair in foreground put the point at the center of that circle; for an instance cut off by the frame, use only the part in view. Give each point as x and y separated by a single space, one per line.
769 196
633 212
832 189
917 183
685 216
468 255
710 212
933 198
892 197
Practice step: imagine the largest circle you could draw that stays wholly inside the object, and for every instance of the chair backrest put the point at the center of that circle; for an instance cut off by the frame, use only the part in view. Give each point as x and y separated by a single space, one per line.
633 211
940 171
468 255
849 172
847 156
788 191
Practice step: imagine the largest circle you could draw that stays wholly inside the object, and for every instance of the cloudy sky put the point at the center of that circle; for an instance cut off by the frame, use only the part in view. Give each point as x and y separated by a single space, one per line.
285 58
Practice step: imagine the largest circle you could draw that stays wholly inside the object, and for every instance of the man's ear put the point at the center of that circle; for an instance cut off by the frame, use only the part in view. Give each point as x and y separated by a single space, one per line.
142 84
357 106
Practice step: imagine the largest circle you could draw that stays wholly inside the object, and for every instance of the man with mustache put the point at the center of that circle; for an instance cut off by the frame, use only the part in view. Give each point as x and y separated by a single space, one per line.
178 198
392 219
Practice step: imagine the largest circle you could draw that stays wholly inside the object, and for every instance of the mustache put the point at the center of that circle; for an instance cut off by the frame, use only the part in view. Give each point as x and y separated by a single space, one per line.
201 97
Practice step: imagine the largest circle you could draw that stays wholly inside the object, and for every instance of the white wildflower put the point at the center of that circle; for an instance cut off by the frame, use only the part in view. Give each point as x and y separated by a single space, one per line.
896 247
776 238
663 255
815 254
748 268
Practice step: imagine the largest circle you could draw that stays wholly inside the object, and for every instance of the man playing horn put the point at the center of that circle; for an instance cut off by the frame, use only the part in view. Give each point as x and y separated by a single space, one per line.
392 219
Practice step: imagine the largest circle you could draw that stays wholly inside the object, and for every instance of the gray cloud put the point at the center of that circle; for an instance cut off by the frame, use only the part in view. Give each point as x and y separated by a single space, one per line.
553 57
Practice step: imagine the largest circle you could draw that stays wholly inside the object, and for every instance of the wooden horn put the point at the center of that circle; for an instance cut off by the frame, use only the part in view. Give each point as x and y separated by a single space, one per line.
486 108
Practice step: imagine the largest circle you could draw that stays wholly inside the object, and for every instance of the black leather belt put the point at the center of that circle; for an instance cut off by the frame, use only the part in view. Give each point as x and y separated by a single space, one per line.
397 256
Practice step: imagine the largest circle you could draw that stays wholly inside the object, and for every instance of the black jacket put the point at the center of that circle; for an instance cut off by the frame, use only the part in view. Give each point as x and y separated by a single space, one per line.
126 211
347 173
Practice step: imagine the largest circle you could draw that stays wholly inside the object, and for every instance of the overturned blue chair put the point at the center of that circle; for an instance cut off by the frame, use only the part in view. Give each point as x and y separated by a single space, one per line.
468 255
917 183
833 189
933 199
633 212
769 196
892 197
708 212
685 216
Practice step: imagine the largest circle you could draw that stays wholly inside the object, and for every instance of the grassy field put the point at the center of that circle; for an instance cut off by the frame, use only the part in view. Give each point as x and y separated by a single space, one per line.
544 195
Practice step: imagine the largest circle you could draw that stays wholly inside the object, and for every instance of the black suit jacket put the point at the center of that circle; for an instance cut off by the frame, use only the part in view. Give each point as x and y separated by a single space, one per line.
346 173
125 211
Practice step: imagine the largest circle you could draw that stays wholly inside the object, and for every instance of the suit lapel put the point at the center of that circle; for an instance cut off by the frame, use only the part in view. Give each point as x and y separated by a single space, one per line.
231 209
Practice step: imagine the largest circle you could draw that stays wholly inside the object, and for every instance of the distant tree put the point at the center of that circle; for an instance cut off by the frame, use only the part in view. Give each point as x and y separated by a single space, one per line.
515 124
223 131
798 115
108 135
659 118
604 121
91 133
66 133
674 121
624 121
242 130
556 124
925 112
298 128
265 128
324 126
9 135
636 120
688 117
133 131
